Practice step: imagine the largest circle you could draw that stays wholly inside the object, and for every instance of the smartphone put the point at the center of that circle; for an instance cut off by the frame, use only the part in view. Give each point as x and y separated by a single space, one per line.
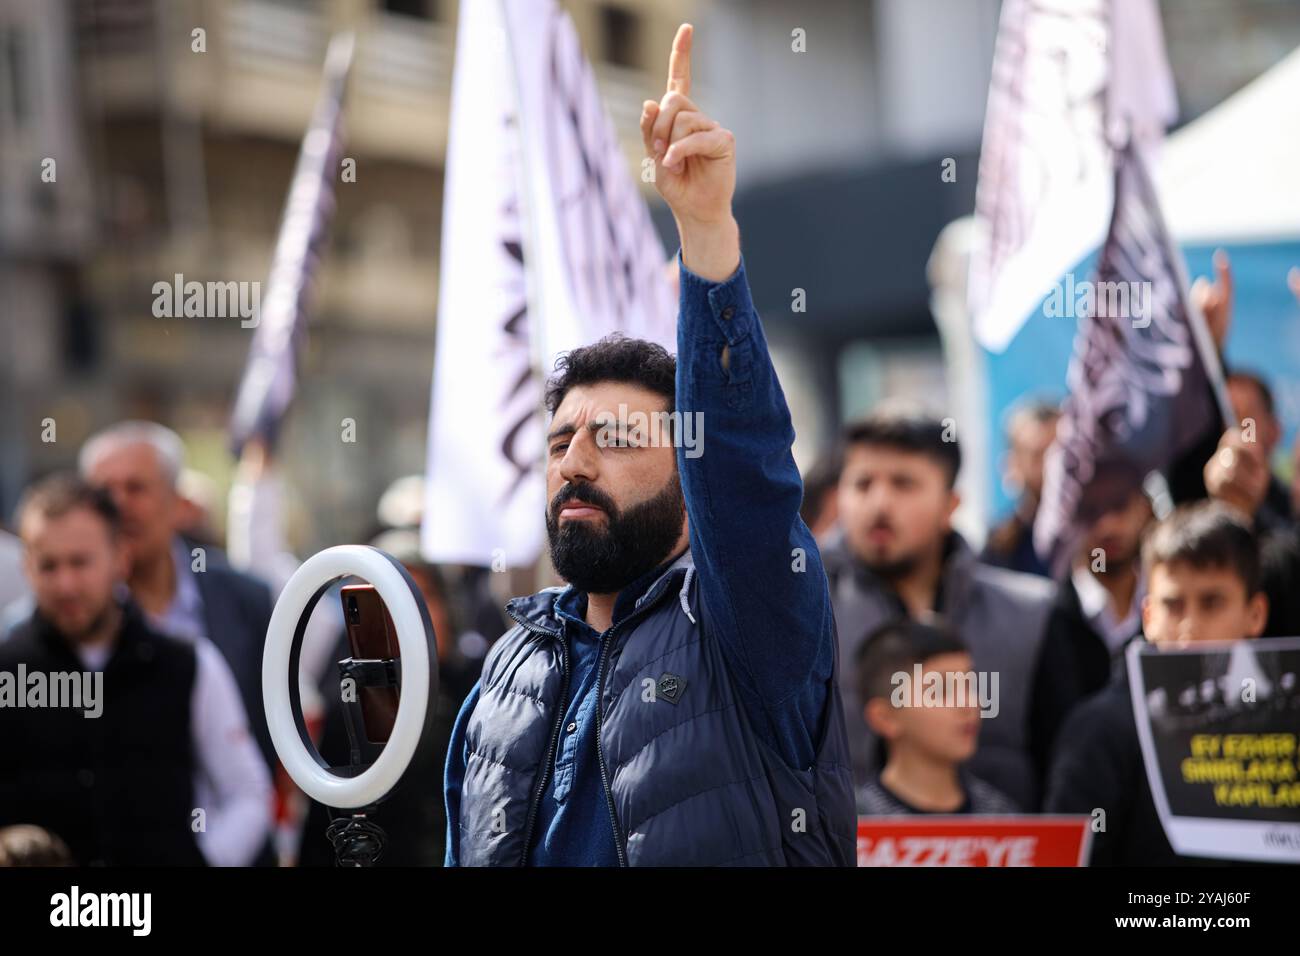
372 636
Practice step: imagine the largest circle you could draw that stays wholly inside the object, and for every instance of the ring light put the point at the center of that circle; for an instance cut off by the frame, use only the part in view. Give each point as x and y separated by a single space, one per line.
280 674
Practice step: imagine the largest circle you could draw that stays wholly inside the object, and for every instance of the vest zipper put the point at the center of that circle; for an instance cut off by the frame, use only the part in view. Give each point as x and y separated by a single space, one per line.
545 775
606 640
600 751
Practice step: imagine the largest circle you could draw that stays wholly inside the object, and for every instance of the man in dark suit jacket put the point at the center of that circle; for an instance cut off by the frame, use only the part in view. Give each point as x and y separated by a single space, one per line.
186 590
236 615
1098 607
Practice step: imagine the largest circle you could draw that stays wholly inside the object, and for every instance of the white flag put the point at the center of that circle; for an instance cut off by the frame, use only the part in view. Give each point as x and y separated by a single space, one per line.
546 245
483 490
595 262
1072 80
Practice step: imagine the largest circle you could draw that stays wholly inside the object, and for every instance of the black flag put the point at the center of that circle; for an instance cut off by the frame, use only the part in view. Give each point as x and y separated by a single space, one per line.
270 377
1144 381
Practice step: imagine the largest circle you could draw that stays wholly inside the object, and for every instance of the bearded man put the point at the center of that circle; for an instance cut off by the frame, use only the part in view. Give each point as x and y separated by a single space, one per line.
676 704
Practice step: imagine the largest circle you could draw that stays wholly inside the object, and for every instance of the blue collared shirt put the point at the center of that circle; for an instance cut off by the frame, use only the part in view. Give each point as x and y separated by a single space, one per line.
573 823
760 575
184 616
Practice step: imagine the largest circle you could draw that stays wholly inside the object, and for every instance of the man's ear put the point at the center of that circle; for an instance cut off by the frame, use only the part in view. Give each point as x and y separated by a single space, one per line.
1146 615
880 717
1256 614
954 502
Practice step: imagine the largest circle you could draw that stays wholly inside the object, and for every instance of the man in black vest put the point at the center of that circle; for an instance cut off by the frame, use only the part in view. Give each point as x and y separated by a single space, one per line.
131 746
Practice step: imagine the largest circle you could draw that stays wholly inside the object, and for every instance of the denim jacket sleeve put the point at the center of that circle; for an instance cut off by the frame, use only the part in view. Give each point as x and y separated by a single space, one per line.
760 572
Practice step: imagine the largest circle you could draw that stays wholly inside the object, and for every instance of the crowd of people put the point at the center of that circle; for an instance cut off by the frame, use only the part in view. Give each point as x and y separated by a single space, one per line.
123 578
116 585
908 590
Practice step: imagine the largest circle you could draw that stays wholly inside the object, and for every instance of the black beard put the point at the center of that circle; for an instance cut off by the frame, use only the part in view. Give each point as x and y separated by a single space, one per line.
606 560
894 570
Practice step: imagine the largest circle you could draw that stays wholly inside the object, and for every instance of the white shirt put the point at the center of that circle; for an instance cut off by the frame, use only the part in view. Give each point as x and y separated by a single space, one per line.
231 783
1095 602
232 780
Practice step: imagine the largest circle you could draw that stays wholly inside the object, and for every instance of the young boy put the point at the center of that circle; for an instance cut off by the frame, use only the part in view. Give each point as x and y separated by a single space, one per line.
1203 584
927 732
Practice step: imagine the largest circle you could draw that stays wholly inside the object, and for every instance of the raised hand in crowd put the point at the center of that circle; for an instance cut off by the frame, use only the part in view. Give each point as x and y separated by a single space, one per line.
1238 474
1214 299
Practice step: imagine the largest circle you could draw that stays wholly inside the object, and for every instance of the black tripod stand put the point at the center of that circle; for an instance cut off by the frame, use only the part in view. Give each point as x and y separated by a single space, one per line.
357 839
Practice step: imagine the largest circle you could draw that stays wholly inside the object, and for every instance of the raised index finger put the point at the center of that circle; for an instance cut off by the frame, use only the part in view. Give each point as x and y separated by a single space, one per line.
1224 270
679 61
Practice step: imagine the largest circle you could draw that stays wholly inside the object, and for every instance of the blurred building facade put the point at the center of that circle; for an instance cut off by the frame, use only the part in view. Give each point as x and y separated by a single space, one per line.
174 150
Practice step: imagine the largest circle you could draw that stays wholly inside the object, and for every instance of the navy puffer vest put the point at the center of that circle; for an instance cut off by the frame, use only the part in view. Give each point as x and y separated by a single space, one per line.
687 781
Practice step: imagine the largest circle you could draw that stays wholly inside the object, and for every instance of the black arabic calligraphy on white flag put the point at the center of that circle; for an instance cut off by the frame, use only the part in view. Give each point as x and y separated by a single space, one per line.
547 245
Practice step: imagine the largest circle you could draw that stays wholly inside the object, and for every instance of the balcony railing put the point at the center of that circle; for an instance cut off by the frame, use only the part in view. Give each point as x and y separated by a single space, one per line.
403 55
274 35
115 27
261 72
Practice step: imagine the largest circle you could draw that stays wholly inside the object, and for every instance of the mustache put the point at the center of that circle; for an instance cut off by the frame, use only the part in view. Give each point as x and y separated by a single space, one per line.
583 492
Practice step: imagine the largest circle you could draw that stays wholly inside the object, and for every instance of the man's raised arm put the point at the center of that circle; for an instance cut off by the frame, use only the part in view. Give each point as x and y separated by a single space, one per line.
760 573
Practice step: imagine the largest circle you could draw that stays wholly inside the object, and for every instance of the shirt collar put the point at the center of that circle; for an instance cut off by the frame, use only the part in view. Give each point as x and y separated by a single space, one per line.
1094 601
187 595
1093 598
571 604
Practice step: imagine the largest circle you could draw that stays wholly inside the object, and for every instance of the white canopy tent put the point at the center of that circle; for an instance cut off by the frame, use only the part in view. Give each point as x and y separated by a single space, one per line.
1230 174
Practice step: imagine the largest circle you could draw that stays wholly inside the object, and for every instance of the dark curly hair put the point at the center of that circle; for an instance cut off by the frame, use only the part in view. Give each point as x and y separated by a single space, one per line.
615 358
